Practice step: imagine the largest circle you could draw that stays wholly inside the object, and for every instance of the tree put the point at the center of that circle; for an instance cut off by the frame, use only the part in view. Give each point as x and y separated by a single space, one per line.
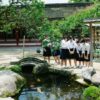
25 15
51 29
76 20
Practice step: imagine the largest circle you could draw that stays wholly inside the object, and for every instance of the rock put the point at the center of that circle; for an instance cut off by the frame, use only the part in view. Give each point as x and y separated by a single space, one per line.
87 73
10 83
9 98
34 65
81 81
96 78
41 68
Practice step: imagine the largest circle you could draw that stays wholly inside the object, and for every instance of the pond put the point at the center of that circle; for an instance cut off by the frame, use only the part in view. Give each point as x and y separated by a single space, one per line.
51 87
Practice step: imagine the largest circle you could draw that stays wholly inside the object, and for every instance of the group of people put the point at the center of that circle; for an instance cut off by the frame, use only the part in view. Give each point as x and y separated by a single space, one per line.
75 51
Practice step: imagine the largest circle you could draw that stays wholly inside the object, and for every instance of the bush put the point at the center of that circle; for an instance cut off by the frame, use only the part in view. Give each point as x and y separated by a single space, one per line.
91 93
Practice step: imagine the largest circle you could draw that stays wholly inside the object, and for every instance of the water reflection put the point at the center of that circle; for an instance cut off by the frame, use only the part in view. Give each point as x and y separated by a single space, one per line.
51 88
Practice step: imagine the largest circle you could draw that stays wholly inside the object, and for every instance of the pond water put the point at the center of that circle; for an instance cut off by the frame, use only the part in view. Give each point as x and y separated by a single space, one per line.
51 87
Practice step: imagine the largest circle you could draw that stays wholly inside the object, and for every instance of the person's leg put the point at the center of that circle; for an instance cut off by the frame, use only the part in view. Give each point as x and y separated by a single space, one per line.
86 63
70 62
44 58
75 62
58 59
79 63
49 59
55 58
61 62
65 61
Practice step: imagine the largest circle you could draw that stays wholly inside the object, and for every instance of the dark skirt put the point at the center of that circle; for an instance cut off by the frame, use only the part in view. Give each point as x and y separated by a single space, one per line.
56 53
64 54
47 51
87 59
72 56
79 58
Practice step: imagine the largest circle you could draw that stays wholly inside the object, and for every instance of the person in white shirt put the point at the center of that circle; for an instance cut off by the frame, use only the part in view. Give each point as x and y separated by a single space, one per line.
46 44
79 53
71 48
87 54
64 51
83 51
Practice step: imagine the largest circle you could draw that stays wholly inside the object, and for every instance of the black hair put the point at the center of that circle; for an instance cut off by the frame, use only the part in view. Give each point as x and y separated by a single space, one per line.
83 41
78 42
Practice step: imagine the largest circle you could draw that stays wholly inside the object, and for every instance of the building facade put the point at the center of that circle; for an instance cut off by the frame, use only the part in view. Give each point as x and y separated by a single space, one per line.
52 12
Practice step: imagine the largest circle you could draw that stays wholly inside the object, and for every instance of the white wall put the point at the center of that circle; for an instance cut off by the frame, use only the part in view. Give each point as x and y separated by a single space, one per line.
6 2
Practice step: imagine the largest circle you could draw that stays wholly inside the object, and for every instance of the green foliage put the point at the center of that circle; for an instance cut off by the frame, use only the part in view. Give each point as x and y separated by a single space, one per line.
31 33
15 68
29 16
72 22
51 29
92 93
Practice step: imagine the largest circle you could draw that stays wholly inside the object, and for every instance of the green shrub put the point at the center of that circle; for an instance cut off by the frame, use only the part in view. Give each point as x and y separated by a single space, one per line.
15 68
91 93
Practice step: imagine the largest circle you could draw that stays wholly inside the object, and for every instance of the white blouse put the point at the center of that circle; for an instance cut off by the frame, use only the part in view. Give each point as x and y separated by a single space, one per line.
71 44
78 47
86 47
64 44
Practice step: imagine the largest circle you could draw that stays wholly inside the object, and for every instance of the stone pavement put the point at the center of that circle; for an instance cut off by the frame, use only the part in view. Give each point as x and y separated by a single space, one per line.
9 54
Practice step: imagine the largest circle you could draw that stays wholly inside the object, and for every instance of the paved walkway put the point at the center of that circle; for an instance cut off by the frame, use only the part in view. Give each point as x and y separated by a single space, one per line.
8 54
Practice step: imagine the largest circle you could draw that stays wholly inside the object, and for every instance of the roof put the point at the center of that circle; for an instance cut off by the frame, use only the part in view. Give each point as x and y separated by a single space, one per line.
94 20
95 25
68 5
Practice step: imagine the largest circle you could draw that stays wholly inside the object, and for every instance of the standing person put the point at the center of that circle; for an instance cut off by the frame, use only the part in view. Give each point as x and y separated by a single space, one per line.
78 53
84 52
87 54
63 52
56 51
71 48
46 44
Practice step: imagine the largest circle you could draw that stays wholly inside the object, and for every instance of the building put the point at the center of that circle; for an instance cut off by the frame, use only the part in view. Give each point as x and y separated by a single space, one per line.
61 10
53 12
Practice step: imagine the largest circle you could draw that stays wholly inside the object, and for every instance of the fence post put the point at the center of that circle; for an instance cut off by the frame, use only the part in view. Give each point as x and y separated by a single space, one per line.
23 45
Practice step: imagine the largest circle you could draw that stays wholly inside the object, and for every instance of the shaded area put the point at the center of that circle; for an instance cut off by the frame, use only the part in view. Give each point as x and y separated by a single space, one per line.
51 87
28 68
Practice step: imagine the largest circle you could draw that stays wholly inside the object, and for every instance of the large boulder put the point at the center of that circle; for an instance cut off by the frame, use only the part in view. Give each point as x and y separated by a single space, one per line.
87 73
34 65
10 83
91 75
96 78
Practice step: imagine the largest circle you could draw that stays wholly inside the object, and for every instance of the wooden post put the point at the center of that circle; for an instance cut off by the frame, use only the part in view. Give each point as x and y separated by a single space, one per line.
94 38
91 51
23 45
